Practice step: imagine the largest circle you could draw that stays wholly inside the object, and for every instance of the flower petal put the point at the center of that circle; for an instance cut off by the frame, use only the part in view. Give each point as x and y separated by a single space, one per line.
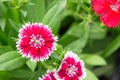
100 6
111 19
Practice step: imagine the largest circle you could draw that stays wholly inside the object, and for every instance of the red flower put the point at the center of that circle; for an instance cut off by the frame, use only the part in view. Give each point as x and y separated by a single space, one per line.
48 76
72 68
36 41
109 11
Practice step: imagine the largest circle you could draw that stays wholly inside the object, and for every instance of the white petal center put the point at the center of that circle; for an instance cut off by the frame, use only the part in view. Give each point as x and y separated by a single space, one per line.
36 41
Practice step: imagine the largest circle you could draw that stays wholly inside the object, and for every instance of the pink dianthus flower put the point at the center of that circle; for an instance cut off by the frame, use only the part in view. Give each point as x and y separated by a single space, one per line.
109 11
71 68
36 41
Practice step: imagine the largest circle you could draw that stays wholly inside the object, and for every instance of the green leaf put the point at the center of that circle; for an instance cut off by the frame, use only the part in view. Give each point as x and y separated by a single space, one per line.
36 11
13 12
74 45
4 75
82 5
66 39
21 73
14 25
93 60
53 15
76 32
12 34
58 53
38 73
3 38
79 31
90 76
32 65
11 60
97 32
2 16
24 13
73 1
104 70
92 46
4 49
56 56
2 23
112 47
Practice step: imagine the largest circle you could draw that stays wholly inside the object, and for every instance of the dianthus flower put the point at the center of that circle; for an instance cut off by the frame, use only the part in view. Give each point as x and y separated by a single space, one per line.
48 76
109 11
36 41
71 68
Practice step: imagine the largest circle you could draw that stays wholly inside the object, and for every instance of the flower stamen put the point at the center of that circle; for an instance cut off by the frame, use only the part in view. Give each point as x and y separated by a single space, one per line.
72 70
36 41
115 7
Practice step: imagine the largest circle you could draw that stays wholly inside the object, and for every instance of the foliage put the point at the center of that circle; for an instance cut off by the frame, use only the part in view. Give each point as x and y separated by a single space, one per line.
73 21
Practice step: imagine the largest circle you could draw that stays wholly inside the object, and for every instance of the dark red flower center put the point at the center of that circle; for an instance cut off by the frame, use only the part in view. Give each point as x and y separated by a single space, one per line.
71 70
36 41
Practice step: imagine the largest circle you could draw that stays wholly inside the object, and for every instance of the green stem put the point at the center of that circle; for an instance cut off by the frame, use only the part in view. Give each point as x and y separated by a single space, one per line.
83 6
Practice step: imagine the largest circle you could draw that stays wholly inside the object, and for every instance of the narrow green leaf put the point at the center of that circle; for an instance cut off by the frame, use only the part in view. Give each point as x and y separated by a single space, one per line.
59 53
73 1
112 47
11 60
82 5
2 23
21 73
12 54
79 44
97 32
104 70
24 13
12 34
32 65
74 33
4 49
2 16
14 25
56 9
56 56
93 47
90 76
37 10
93 60
54 14
66 39
38 73
3 38
55 22
4 75
13 12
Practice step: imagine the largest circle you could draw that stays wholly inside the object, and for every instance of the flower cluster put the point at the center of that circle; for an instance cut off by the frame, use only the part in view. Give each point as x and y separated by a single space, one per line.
71 68
37 42
109 11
